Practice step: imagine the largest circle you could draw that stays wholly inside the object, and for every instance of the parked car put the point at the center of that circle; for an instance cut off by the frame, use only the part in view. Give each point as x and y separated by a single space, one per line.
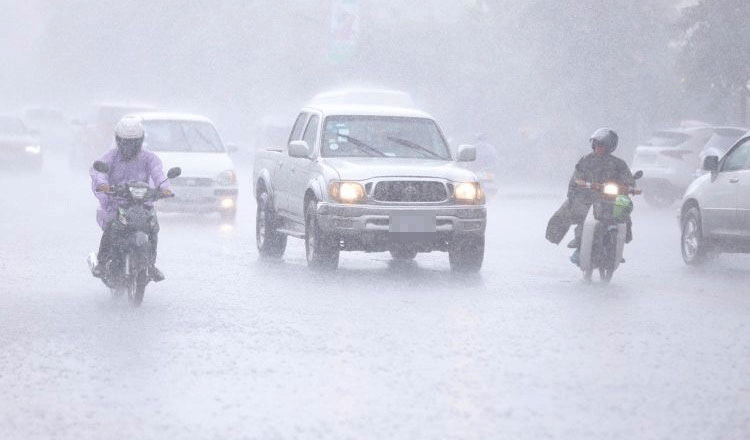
54 128
209 181
19 147
95 134
715 210
368 178
669 159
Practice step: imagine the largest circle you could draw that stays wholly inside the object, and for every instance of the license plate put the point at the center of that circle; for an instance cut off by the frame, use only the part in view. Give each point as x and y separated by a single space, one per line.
412 223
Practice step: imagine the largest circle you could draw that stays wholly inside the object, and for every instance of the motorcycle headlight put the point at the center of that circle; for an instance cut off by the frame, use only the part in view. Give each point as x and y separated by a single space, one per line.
347 192
33 149
227 178
469 193
611 189
138 193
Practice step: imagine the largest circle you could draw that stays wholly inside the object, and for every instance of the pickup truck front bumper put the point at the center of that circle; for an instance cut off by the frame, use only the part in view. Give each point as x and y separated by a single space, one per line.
376 228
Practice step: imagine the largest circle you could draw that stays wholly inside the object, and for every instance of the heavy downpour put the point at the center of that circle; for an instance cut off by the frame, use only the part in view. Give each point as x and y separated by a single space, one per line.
371 219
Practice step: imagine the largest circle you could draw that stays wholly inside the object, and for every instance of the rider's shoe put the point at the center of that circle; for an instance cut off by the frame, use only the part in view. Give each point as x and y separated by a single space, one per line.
576 257
574 243
97 271
156 274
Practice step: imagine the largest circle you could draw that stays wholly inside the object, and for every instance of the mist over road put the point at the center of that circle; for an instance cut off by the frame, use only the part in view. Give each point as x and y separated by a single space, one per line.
231 346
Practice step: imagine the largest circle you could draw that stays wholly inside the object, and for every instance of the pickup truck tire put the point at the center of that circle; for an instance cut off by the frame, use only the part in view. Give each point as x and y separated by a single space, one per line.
271 244
466 254
403 253
321 251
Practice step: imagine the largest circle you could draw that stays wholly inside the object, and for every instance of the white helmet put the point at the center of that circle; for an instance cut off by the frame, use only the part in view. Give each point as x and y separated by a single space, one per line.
129 136
129 127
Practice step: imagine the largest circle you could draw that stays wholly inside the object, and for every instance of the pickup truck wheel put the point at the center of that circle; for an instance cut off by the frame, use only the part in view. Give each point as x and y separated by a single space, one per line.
271 244
322 252
403 253
466 254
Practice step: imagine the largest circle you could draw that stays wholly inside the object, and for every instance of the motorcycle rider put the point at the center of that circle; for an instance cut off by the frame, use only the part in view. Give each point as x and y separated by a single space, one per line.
127 162
599 166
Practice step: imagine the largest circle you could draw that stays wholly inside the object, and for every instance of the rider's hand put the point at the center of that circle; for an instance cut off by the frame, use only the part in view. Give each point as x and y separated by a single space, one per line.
166 193
104 187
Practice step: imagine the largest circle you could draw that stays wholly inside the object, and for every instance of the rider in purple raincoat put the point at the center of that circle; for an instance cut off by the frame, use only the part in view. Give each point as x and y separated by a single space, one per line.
127 163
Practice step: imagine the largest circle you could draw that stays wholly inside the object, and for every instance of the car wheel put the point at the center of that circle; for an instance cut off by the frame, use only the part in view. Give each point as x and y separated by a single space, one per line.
403 253
693 244
322 251
271 244
466 254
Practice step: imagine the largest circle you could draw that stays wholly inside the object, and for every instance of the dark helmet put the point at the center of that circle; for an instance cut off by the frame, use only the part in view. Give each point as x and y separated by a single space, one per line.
129 136
604 137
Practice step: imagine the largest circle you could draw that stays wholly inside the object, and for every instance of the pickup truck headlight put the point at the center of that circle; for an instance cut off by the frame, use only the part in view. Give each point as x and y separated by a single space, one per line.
347 192
469 193
227 178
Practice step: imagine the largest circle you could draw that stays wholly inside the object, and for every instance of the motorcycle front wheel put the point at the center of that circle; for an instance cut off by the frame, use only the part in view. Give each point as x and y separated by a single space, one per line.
137 288
607 268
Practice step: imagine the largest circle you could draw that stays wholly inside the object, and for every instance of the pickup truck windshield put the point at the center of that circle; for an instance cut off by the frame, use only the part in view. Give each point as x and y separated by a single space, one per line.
387 136
181 136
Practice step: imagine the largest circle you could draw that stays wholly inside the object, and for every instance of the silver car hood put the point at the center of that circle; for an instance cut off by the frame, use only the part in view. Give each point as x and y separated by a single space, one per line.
364 168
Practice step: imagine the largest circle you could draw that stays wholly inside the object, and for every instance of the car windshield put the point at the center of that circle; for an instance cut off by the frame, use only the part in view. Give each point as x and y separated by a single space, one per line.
182 136
722 139
12 126
386 136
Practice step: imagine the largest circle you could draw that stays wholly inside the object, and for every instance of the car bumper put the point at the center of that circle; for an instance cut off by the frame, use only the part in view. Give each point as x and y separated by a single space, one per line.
374 228
200 200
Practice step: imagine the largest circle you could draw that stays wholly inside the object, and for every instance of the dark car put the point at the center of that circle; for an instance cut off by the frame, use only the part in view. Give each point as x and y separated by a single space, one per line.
19 147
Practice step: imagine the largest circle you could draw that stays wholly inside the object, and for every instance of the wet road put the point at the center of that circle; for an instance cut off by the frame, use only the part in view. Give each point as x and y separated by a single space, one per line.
230 346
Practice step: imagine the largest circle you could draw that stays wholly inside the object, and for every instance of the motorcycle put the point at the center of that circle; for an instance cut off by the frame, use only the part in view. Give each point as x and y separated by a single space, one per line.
605 228
127 271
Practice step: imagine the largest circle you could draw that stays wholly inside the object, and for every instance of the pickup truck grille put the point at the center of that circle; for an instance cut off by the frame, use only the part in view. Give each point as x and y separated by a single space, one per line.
192 181
409 191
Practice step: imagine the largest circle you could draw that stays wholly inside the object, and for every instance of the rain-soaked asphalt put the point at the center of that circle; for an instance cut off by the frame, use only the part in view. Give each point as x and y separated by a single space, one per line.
229 346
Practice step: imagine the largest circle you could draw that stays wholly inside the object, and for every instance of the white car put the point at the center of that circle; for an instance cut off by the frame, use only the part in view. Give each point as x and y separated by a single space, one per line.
669 159
715 212
209 181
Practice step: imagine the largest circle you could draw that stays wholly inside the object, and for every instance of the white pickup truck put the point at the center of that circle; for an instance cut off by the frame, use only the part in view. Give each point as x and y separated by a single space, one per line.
368 178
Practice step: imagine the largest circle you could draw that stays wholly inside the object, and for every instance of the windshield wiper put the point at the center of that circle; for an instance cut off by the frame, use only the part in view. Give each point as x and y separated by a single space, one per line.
361 144
413 146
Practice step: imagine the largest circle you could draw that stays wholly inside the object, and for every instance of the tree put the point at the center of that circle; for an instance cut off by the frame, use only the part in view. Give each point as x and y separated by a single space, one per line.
713 41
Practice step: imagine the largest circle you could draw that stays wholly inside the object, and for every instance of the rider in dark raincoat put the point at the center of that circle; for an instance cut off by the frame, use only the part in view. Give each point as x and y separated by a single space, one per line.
599 166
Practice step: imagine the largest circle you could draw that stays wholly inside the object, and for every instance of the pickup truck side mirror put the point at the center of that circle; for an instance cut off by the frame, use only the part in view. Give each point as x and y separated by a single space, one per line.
466 153
232 148
711 163
299 149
